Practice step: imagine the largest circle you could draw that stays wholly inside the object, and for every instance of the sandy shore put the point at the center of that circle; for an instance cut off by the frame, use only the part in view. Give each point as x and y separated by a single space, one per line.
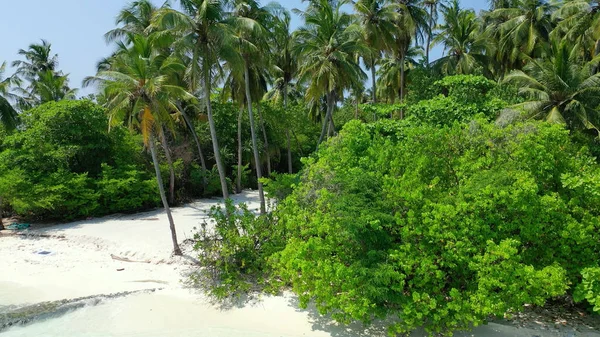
74 260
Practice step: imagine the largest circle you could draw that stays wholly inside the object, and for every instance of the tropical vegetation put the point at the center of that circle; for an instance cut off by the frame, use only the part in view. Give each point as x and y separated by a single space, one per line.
425 163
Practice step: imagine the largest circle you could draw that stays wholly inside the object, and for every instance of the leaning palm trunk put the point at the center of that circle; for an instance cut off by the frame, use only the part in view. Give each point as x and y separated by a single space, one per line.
189 124
238 180
327 119
163 197
163 142
254 142
266 139
213 133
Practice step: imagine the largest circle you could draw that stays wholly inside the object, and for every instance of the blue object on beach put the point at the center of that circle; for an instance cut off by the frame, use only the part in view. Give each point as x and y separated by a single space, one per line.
44 252
18 226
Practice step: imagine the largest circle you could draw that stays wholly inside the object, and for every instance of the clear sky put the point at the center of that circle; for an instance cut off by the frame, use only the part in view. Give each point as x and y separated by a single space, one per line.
75 28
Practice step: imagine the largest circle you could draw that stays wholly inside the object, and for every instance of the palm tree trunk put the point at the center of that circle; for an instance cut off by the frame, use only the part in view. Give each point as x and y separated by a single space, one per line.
213 133
429 34
374 81
238 180
264 132
402 78
261 194
163 142
189 124
289 151
287 130
297 143
327 118
163 197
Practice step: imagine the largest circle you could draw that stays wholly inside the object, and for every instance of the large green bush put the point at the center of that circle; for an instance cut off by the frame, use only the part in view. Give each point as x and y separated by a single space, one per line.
61 164
460 98
440 227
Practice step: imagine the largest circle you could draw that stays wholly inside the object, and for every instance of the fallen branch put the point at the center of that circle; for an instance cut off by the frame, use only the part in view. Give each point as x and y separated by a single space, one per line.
124 259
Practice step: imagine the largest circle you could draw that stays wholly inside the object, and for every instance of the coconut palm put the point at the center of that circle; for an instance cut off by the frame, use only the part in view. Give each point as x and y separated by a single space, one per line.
284 63
139 90
39 70
560 89
326 47
463 41
410 26
249 17
522 30
579 22
432 7
391 70
376 19
205 32
8 115
135 19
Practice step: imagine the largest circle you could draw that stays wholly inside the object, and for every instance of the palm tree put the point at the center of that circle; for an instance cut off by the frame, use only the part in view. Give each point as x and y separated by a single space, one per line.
251 35
410 24
139 90
327 45
560 89
579 21
136 18
391 70
522 30
8 115
46 83
206 33
376 18
463 40
432 16
283 62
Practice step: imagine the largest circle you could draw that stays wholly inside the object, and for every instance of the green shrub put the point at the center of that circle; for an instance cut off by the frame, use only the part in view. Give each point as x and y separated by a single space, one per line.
461 98
59 164
440 227
126 189
589 288
280 185
233 249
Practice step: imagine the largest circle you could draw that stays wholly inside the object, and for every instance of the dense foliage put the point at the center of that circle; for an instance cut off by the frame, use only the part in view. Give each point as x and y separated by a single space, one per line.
64 164
439 227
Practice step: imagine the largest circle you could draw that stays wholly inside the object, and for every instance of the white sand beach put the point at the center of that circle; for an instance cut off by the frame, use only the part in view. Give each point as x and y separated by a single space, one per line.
76 262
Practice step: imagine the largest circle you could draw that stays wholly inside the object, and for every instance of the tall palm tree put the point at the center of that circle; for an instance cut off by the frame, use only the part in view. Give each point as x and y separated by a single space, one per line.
326 47
410 25
522 30
8 115
139 90
283 62
579 22
39 70
463 39
206 33
560 89
135 19
391 70
376 19
432 7
251 36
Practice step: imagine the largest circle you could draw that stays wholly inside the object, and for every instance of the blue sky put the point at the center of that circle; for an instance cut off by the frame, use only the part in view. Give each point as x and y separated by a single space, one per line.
75 28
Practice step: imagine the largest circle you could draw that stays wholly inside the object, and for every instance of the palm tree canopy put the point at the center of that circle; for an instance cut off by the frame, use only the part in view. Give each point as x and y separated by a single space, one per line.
560 89
139 86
